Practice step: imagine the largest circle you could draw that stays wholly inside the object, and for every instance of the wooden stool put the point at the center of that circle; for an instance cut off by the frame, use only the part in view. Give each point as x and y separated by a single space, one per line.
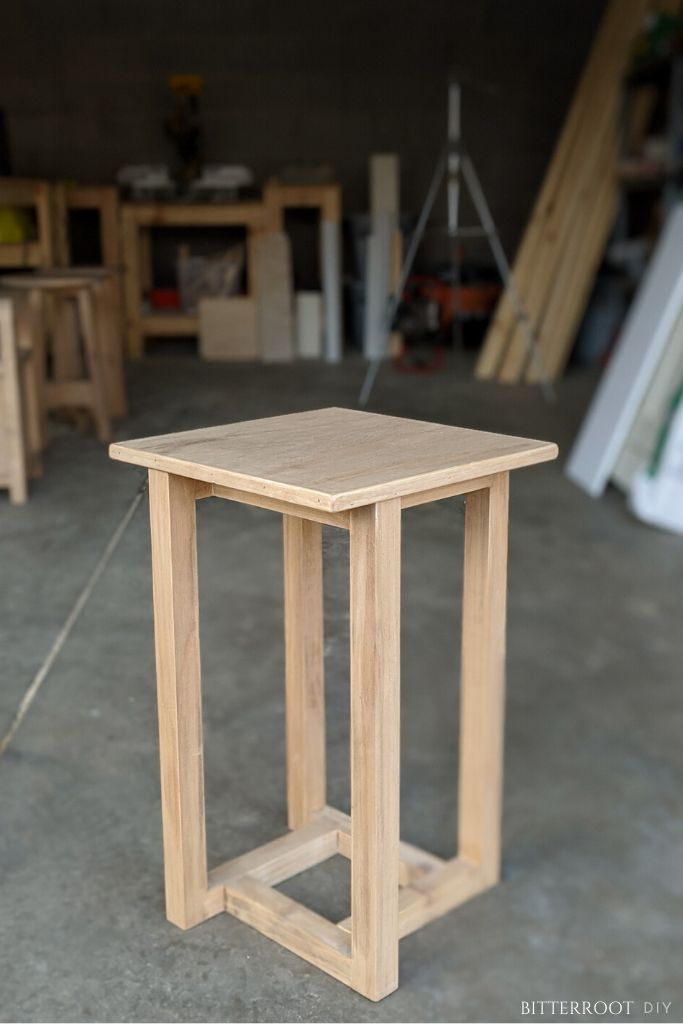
108 319
69 388
21 436
355 471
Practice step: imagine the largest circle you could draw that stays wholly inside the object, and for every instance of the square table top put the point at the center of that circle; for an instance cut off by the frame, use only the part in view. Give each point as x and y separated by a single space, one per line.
333 459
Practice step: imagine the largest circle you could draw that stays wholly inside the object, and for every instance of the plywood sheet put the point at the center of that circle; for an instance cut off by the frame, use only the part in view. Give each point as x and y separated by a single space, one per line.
227 328
274 296
625 382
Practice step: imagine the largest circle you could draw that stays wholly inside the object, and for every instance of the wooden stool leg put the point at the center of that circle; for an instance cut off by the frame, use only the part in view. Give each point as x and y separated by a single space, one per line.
483 678
34 338
66 347
110 333
304 669
375 724
11 418
93 355
176 627
30 386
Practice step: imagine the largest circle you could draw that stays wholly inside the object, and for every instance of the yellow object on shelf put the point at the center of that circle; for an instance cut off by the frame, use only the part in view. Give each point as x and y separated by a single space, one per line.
15 226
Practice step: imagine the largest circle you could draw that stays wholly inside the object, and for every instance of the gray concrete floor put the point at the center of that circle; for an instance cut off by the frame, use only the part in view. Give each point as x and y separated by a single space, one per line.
590 905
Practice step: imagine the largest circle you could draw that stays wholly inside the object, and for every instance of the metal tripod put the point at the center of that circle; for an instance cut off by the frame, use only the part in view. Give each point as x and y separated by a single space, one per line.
456 165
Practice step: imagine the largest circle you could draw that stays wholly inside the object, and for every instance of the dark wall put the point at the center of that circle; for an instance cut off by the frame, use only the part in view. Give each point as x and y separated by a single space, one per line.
84 85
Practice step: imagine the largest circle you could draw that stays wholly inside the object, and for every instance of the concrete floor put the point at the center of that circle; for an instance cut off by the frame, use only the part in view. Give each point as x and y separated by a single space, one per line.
590 906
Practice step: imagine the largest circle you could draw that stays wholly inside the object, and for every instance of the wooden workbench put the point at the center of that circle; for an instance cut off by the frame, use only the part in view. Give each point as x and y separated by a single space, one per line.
136 221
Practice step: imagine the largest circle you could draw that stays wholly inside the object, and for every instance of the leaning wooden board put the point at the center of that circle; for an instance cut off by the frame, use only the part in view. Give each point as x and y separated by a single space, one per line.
227 328
624 383
573 193
586 171
496 342
642 438
274 296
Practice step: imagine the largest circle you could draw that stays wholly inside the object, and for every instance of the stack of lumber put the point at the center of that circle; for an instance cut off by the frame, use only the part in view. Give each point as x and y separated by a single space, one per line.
565 238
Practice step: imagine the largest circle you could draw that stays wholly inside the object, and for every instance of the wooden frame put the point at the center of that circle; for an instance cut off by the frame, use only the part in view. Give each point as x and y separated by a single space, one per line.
102 198
396 887
26 192
136 221
278 197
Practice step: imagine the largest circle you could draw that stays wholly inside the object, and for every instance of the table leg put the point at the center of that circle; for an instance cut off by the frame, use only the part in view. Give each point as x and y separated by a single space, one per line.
375 724
176 626
483 678
304 669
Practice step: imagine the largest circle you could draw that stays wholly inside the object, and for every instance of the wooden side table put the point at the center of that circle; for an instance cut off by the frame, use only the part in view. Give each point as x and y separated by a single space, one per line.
355 471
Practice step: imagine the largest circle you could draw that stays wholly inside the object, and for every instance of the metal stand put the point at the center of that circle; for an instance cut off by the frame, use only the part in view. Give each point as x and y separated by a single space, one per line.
455 164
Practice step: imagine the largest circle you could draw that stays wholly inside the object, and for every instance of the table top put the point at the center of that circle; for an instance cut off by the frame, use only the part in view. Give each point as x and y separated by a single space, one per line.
333 459
56 278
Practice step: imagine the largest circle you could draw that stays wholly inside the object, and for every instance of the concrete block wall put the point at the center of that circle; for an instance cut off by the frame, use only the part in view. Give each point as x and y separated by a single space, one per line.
84 85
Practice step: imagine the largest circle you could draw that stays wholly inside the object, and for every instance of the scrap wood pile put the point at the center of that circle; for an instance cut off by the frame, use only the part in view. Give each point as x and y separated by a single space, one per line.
572 219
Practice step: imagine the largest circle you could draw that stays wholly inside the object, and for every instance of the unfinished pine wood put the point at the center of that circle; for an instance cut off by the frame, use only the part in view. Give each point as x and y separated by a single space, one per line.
395 887
176 630
67 358
92 347
274 297
13 455
107 304
284 857
63 319
85 392
567 297
304 669
341 520
31 369
599 126
227 328
497 337
278 197
414 863
425 900
136 221
375 551
591 120
334 459
295 927
482 678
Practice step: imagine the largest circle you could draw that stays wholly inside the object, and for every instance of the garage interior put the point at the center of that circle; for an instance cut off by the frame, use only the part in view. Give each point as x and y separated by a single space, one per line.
109 111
